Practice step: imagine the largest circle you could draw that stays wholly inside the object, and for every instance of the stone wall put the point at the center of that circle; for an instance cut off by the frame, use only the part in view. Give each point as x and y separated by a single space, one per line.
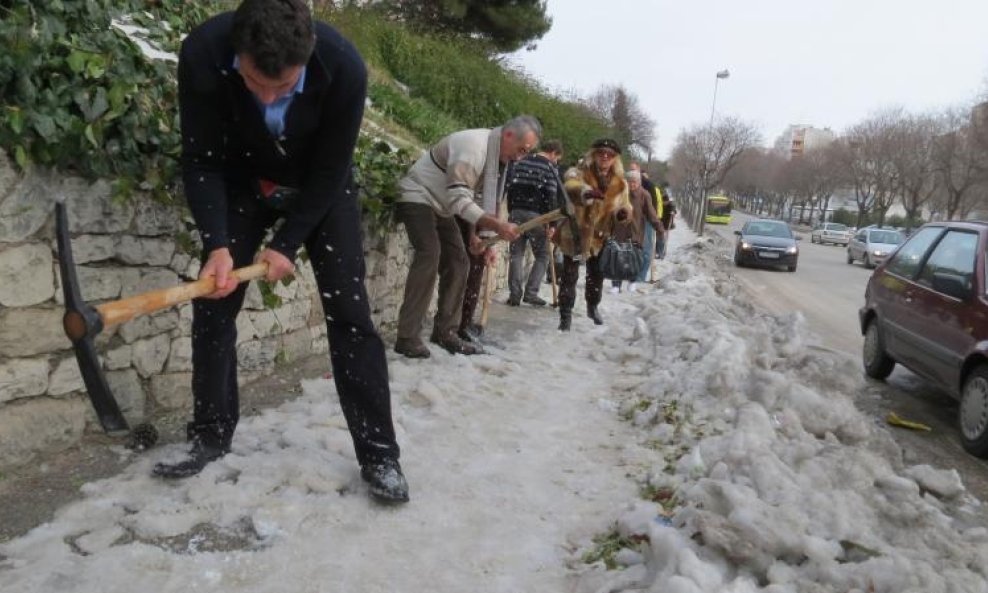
122 248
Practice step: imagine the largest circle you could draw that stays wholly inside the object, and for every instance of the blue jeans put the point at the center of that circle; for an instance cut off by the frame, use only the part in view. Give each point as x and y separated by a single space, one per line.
647 253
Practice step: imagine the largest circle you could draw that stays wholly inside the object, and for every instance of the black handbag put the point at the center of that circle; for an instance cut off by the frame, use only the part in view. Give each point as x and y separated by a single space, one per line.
619 261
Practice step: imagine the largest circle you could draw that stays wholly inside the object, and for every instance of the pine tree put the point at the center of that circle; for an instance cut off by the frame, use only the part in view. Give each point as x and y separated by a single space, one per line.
506 25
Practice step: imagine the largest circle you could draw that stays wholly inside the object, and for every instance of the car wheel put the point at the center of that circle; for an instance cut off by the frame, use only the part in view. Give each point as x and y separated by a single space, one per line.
792 268
868 263
973 415
877 363
850 258
737 259
812 239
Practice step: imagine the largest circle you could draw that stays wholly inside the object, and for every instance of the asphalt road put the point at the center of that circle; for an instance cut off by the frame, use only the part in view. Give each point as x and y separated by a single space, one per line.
828 292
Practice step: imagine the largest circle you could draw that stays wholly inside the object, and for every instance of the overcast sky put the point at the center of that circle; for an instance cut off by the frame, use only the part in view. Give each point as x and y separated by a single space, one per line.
829 63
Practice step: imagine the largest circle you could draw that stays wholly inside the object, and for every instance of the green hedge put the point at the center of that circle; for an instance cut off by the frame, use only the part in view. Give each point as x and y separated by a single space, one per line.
462 81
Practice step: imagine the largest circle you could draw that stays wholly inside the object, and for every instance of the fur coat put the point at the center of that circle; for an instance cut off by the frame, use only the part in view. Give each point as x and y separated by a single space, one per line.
597 218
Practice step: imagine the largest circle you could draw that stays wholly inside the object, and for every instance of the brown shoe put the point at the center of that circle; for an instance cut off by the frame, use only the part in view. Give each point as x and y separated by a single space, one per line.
412 348
455 345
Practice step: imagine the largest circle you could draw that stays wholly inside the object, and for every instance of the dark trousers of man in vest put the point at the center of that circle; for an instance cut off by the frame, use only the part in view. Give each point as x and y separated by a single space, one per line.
356 351
475 278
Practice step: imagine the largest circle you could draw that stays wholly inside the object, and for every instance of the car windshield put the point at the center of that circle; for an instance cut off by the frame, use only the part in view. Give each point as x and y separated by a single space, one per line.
888 237
767 229
836 227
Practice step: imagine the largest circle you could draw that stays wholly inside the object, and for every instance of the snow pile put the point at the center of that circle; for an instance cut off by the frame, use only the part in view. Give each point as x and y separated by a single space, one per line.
712 447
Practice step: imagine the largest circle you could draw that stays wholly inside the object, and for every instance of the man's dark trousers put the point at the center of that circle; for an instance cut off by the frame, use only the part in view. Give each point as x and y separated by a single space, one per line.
356 350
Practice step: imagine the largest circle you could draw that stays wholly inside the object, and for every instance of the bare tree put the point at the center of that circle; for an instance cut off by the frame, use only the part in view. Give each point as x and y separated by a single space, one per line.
704 155
915 164
621 108
867 156
959 164
756 181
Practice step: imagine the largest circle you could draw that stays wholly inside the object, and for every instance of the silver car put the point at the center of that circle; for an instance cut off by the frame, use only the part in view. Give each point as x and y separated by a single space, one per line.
872 245
831 232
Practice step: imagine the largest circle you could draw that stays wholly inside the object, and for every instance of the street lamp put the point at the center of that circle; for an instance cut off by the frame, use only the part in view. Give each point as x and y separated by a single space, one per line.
703 189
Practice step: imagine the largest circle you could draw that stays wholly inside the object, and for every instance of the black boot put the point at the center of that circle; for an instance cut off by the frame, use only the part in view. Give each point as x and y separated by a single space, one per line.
200 456
594 314
386 481
565 320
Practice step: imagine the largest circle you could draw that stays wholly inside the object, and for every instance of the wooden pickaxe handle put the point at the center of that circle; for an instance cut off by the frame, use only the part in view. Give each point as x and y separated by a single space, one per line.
126 309
528 225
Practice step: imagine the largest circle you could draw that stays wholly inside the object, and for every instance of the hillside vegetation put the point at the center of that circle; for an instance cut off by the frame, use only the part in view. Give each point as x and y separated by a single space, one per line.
78 95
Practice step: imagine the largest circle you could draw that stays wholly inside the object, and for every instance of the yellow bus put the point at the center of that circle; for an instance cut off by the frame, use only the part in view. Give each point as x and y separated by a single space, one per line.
718 210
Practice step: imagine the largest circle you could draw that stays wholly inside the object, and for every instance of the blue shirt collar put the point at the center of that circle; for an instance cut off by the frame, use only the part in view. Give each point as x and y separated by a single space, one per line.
296 90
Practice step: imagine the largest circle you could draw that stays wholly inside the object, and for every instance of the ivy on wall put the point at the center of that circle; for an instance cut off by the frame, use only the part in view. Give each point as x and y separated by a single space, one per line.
79 95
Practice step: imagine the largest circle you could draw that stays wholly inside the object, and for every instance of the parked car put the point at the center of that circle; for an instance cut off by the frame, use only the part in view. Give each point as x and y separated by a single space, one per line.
831 232
926 308
872 245
766 242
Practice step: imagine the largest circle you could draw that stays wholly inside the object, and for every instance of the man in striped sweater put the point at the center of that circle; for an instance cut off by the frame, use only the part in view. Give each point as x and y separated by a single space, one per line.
533 188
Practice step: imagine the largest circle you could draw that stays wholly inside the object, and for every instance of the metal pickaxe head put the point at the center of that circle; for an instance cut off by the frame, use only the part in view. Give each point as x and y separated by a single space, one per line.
82 323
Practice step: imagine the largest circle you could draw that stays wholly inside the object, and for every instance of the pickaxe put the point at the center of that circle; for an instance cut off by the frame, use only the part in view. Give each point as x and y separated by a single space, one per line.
82 322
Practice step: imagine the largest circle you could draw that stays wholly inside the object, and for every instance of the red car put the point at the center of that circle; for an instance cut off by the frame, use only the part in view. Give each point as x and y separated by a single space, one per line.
926 308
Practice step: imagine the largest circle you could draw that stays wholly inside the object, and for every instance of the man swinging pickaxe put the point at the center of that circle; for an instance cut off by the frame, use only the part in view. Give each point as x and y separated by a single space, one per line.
82 322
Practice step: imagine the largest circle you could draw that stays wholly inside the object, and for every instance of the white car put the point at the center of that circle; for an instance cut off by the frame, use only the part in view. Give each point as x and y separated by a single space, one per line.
872 245
831 232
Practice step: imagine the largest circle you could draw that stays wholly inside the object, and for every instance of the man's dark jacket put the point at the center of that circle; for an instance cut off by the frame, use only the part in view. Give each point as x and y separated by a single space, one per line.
226 146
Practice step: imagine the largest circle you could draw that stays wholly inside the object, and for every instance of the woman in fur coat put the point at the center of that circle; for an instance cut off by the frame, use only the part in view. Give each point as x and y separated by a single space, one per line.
599 194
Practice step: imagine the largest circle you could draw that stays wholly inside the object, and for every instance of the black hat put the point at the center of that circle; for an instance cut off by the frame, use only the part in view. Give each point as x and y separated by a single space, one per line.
606 143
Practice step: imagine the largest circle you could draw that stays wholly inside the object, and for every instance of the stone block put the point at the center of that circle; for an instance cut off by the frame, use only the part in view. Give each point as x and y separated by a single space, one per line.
8 174
245 329
24 211
265 323
258 355
154 218
36 425
23 377
149 325
296 345
150 355
129 392
93 248
118 358
91 207
97 284
66 377
172 391
253 299
154 279
145 251
180 265
30 331
180 357
27 275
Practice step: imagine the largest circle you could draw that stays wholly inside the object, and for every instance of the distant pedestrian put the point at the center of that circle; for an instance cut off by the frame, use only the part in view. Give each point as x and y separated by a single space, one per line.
633 229
668 221
533 189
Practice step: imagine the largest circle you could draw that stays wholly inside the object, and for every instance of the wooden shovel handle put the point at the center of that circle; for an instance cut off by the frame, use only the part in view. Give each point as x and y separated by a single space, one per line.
551 216
126 309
